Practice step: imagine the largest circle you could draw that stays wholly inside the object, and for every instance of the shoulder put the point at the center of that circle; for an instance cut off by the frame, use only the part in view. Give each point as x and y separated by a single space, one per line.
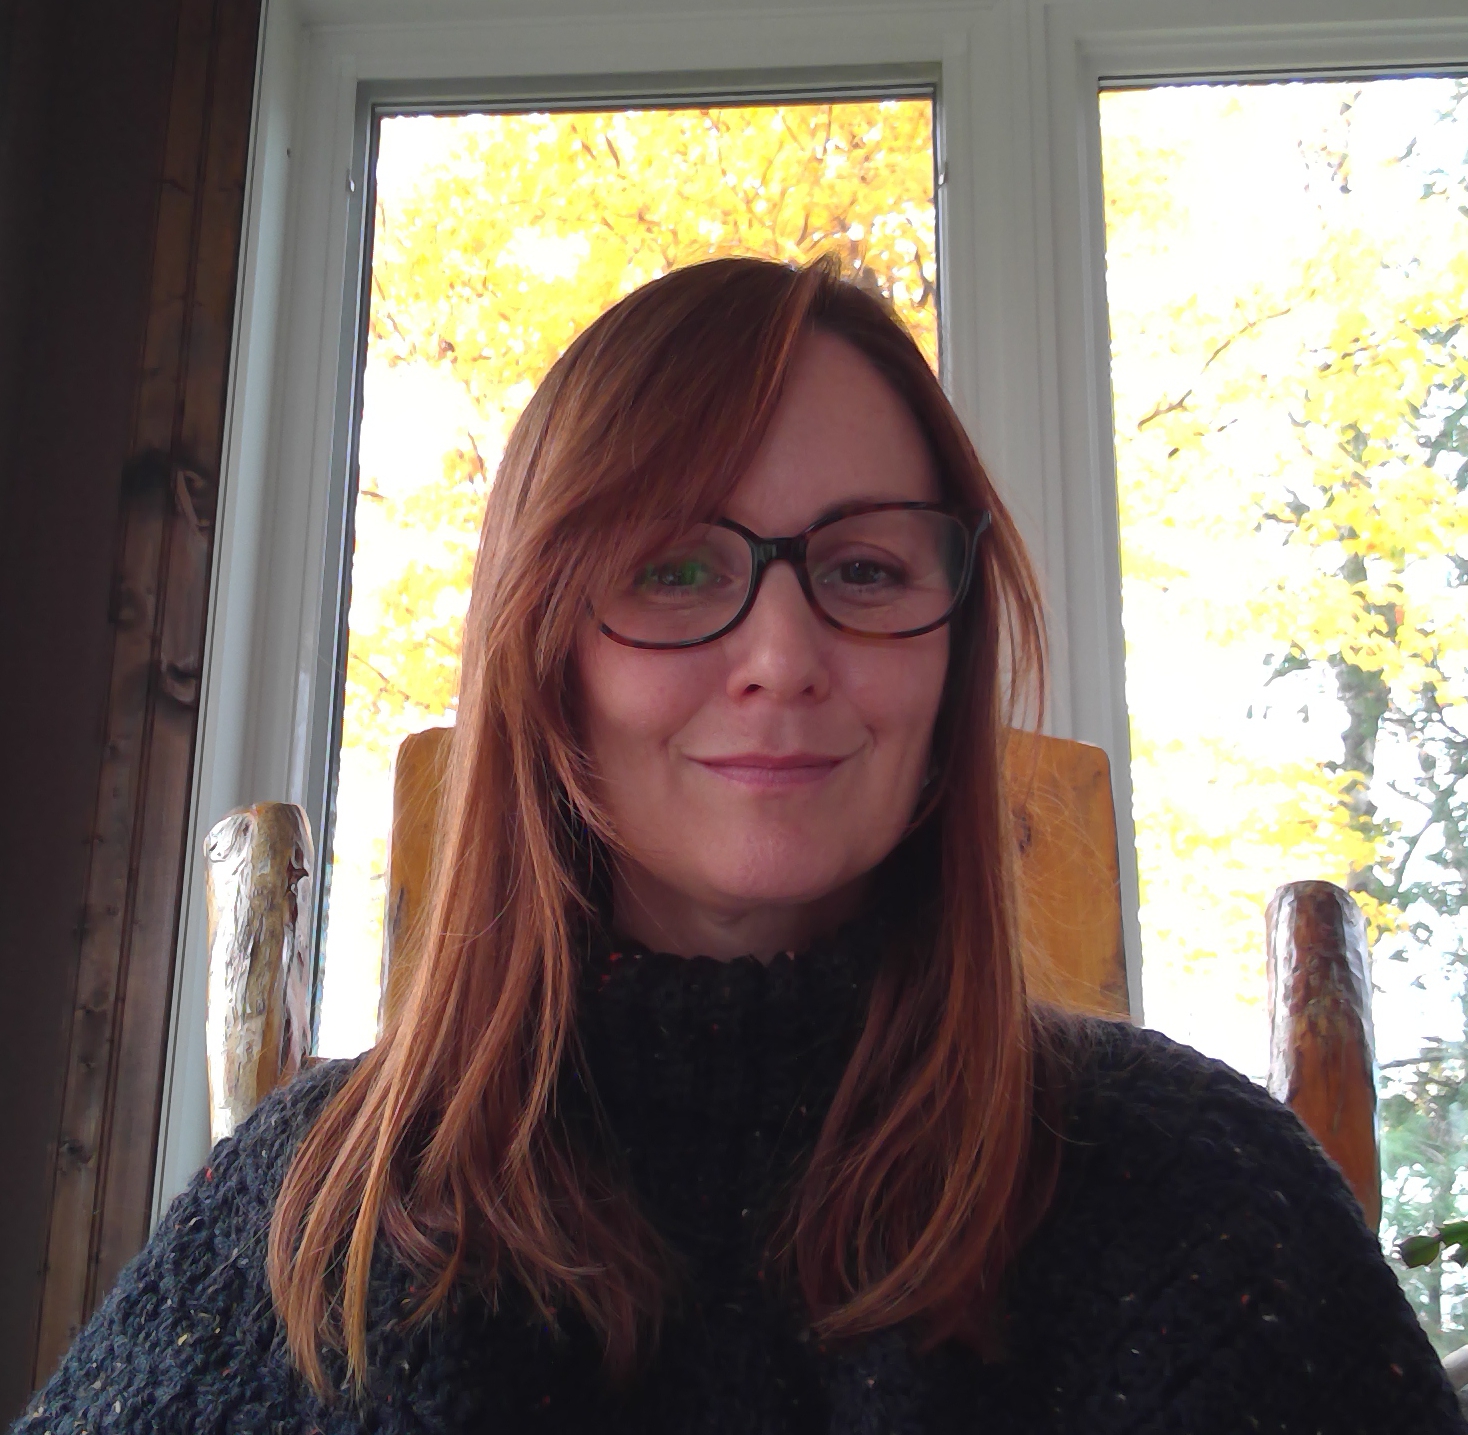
1200 1242
1154 1127
188 1329
253 1161
238 1183
1135 1096
1133 1075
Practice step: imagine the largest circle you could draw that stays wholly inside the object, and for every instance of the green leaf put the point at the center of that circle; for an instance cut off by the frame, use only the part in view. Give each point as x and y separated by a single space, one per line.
1418 1250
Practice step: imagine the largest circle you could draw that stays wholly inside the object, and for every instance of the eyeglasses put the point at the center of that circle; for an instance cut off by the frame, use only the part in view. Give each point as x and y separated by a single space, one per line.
876 570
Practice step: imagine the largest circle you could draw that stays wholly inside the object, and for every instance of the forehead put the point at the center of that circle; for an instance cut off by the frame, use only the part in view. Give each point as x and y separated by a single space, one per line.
841 434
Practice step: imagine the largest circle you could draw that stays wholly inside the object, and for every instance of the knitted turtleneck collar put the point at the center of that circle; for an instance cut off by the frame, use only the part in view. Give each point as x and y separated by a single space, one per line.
715 1076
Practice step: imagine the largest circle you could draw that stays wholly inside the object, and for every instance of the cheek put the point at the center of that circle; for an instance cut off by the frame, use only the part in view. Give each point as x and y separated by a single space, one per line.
897 691
633 701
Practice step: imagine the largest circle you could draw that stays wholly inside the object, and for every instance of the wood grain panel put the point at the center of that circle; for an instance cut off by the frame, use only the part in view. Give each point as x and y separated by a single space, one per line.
195 441
106 1146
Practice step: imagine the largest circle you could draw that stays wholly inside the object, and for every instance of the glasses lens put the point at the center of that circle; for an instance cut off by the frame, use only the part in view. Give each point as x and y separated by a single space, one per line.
683 591
892 571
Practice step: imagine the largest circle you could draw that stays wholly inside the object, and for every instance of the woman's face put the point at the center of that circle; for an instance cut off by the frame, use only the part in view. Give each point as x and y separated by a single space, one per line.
756 780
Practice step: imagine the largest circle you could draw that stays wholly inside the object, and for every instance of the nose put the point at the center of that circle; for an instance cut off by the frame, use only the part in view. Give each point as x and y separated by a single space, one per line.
780 647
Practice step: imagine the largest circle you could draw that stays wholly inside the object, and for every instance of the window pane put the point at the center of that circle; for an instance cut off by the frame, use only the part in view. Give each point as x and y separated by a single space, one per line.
1287 270
499 237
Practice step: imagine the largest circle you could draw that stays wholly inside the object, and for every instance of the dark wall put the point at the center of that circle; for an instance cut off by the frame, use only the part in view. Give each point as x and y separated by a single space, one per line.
84 96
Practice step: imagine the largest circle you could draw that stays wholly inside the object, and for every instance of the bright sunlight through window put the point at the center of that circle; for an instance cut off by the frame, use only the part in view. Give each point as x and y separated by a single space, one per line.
1287 273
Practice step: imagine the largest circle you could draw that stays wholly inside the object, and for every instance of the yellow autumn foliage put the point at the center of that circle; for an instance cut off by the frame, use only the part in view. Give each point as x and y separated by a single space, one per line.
521 229
1274 375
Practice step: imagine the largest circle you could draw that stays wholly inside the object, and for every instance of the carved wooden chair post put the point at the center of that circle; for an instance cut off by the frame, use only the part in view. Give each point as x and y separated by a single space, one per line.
1322 1054
259 862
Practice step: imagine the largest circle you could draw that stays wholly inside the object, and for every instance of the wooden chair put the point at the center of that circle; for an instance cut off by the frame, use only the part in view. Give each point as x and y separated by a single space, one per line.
1321 1060
1061 793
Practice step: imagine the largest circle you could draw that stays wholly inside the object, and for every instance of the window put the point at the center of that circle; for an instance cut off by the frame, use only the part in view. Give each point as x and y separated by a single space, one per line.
1287 275
1019 256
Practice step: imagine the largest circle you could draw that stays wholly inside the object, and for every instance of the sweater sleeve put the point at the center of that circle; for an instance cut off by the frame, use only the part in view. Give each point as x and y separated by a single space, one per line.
186 1340
1234 1285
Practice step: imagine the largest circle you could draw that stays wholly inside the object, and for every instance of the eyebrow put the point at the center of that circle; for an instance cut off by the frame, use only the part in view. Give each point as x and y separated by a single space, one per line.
860 500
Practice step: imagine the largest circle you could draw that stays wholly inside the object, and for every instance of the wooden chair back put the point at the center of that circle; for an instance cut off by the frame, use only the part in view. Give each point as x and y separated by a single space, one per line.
1060 793
1321 1063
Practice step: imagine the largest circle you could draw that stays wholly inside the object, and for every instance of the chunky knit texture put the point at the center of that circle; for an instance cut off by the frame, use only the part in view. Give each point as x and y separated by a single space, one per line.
1203 1268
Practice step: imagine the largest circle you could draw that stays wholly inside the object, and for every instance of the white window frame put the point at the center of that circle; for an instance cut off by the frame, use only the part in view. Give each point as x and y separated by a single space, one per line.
1025 336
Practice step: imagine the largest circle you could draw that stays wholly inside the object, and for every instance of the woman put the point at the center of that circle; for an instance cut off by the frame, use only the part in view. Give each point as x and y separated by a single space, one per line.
718 1103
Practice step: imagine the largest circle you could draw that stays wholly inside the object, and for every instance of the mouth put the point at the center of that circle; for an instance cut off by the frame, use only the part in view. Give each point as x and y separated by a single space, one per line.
770 770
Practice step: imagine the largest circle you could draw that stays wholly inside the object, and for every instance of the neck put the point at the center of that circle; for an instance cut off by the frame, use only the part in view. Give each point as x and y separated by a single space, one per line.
668 921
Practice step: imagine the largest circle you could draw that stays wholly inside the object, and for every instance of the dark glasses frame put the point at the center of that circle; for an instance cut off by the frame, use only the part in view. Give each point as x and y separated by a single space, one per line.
792 550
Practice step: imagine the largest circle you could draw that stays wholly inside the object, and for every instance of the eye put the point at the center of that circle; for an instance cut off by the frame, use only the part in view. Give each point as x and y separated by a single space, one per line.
675 575
866 572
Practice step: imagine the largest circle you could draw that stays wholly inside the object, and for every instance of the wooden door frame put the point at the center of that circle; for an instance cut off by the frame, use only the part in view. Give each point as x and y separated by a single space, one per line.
105 1150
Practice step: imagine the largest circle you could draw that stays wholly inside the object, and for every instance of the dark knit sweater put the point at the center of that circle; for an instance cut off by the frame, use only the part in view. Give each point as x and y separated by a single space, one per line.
1203 1267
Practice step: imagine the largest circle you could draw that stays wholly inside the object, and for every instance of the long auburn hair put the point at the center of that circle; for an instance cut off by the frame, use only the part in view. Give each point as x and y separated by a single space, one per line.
445 1143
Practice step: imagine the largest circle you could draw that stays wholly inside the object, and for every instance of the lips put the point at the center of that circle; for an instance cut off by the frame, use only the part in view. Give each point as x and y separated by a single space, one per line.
772 770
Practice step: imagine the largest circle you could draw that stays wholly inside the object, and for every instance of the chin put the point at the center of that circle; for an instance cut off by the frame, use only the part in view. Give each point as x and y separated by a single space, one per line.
786 872
779 891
